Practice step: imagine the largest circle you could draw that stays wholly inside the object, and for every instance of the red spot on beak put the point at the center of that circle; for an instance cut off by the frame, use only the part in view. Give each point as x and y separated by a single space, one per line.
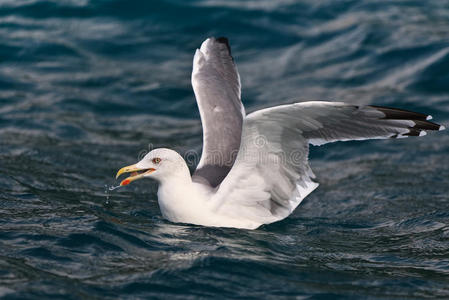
125 182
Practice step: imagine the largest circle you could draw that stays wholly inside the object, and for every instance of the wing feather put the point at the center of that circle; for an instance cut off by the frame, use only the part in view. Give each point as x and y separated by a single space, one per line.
216 84
273 155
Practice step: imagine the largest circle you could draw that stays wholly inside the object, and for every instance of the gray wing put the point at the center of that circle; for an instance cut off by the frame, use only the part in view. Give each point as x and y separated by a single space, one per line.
323 122
216 84
271 175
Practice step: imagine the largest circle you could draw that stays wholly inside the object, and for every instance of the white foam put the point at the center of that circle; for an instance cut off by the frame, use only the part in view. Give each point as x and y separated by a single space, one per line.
429 117
422 133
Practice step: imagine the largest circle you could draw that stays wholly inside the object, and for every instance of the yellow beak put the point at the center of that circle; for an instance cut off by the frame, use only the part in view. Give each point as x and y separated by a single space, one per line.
137 173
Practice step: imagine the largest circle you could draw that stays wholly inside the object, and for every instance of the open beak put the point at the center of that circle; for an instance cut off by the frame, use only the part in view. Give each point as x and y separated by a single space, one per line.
136 173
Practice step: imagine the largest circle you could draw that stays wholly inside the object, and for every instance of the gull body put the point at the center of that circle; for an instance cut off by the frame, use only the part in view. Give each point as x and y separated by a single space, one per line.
180 198
254 168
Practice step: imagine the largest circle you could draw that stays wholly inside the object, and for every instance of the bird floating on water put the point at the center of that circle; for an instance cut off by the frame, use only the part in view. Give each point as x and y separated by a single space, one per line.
254 168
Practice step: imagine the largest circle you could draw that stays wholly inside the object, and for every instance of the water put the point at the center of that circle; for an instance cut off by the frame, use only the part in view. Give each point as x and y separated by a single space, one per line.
86 86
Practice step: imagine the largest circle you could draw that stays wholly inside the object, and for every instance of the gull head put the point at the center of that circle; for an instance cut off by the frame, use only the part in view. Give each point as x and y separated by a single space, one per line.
158 164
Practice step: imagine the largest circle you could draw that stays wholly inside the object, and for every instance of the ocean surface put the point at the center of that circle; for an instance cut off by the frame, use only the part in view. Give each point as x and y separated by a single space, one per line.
88 86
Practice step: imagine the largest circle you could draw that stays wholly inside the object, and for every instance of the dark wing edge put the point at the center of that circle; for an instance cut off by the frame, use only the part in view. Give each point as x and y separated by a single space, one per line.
421 120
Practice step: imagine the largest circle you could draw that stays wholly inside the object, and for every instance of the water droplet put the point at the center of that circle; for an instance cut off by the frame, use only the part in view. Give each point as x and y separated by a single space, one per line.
106 191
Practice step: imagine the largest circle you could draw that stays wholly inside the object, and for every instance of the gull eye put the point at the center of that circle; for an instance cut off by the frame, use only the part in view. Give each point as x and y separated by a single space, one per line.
156 160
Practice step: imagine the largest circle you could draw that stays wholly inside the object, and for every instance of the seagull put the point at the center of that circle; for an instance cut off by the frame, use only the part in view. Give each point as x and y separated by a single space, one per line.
254 168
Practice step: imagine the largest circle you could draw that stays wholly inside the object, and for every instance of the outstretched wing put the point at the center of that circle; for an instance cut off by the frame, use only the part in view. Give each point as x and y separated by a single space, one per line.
271 175
216 84
323 122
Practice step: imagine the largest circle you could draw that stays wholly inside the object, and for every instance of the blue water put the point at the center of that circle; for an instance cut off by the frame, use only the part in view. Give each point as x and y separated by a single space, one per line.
87 86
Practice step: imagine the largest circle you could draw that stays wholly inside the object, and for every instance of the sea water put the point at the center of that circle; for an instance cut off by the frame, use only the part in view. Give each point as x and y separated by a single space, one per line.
86 85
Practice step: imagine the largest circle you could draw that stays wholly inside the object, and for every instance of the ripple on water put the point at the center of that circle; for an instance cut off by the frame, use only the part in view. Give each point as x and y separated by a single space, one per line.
88 86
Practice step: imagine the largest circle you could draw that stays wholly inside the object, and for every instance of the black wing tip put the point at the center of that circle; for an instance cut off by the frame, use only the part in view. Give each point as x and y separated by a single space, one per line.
224 40
421 120
426 125
422 123
420 129
400 114
414 132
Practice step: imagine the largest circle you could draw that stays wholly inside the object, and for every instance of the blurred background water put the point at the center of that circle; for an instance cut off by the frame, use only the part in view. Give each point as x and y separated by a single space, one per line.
87 85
